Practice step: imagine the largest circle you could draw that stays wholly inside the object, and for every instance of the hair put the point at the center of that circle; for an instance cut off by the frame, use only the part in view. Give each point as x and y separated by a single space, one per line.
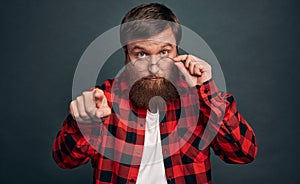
146 20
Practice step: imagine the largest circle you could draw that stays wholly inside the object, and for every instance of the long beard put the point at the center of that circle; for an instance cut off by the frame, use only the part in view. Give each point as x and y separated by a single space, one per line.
150 94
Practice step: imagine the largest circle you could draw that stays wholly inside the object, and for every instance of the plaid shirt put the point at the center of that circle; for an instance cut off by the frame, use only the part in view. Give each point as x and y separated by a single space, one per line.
115 146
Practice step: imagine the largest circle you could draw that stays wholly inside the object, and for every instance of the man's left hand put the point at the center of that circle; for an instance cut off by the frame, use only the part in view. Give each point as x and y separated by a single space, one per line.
195 70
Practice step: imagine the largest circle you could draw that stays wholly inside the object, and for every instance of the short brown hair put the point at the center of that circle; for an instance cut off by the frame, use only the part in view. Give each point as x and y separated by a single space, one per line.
133 24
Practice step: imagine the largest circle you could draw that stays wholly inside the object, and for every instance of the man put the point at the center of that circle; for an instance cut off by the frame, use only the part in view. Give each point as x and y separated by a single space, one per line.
148 125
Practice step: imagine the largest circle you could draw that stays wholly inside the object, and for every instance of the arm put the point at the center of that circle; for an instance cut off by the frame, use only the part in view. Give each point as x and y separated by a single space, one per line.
235 140
80 129
70 148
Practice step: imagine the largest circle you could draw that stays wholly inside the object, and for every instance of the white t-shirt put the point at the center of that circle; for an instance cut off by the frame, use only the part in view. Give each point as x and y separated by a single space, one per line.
152 167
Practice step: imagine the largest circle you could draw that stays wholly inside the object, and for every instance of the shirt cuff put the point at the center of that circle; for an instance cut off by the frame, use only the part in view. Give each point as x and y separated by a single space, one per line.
213 98
73 127
208 90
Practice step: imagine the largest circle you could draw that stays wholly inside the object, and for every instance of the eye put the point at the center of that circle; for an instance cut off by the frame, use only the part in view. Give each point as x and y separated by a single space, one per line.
141 55
164 53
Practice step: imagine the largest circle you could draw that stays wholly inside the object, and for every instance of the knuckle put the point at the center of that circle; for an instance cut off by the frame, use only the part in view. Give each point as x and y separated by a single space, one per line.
99 90
76 116
85 93
90 109
72 104
84 116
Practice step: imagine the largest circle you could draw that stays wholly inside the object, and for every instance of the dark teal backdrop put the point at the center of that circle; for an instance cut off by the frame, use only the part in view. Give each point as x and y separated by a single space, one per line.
257 44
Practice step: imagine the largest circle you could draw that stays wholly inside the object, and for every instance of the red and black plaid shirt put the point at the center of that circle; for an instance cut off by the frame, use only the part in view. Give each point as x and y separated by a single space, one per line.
115 146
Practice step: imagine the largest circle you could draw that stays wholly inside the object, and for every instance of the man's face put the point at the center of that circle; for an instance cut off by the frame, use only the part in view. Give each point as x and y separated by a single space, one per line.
151 69
152 49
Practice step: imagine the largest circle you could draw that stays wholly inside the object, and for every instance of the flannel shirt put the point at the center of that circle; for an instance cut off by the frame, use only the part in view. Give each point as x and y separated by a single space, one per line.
115 146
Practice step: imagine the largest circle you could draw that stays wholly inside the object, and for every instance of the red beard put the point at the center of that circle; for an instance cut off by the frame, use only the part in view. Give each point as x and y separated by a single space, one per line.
152 92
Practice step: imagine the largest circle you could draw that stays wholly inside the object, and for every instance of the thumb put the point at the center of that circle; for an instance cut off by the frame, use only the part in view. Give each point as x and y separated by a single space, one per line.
185 73
103 109
103 112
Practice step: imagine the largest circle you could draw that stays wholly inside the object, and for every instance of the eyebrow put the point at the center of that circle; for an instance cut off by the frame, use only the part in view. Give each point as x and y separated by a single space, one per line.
136 47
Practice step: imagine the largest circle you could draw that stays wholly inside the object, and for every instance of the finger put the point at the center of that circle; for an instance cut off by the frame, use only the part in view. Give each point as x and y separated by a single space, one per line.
182 68
190 64
184 58
203 65
89 103
185 73
101 102
181 57
74 111
103 112
72 108
81 108
98 93
192 67
104 107
98 97
197 70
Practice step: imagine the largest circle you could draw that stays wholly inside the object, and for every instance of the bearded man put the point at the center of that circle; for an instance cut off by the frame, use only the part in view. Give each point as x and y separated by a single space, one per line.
148 124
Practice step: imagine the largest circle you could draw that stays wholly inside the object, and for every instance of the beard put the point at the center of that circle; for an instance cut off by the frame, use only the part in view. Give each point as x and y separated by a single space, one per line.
152 93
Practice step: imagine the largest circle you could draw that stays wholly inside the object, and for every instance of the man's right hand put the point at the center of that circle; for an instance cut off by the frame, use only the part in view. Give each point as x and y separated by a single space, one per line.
90 107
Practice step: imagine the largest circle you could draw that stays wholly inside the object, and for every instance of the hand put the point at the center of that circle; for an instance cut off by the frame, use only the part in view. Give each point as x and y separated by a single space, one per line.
195 70
90 107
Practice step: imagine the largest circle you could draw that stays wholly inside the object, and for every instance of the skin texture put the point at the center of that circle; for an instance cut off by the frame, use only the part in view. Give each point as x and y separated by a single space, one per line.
92 106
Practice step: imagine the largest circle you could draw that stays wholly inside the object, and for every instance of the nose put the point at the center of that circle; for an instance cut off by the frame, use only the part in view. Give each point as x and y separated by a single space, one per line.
153 67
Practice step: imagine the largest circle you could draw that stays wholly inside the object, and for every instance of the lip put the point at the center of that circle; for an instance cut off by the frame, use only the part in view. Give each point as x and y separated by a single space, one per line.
154 78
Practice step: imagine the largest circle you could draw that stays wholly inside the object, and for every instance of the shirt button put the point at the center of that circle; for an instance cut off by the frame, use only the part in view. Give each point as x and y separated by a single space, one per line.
170 180
131 180
138 151
141 124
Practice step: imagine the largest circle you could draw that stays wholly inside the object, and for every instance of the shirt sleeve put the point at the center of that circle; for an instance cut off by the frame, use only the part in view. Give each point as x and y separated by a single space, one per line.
71 148
75 142
234 140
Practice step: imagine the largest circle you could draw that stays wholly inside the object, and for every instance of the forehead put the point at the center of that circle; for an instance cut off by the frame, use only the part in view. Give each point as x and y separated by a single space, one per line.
164 38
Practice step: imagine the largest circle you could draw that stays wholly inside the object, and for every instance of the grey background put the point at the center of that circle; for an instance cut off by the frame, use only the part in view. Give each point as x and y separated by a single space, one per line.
256 42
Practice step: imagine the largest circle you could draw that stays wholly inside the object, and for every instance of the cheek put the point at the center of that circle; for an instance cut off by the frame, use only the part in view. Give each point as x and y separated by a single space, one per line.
166 73
172 73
